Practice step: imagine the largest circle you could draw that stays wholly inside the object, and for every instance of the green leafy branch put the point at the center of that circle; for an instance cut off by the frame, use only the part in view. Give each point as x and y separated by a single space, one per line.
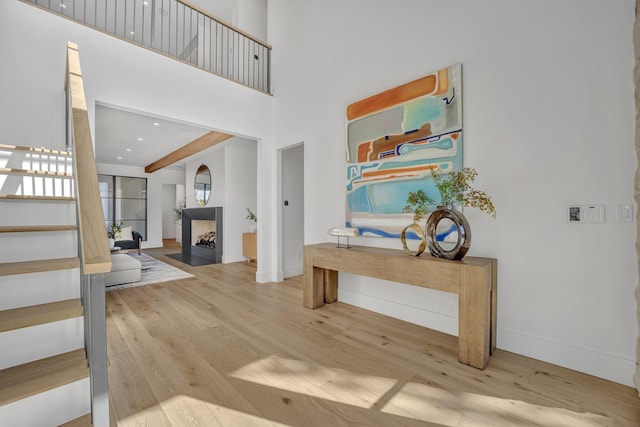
417 202
251 216
455 187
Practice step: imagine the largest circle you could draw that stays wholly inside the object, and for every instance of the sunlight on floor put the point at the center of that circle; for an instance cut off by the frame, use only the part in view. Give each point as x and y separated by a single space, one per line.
423 402
186 410
333 384
413 400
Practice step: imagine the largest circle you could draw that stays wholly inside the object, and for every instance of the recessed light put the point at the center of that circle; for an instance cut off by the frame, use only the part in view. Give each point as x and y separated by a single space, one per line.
128 149
119 157
156 124
140 139
132 33
62 5
146 3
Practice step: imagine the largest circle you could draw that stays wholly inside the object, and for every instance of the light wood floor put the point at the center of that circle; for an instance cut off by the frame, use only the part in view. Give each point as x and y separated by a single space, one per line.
219 349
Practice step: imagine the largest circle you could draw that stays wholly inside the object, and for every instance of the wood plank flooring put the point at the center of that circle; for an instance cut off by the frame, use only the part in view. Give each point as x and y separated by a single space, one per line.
219 349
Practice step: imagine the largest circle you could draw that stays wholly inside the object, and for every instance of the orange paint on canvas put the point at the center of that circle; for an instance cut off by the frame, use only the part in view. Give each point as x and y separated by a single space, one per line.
363 151
443 82
398 95
398 171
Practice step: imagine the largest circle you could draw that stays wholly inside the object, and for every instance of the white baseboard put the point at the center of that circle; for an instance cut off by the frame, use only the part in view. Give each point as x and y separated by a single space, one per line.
611 367
268 276
429 319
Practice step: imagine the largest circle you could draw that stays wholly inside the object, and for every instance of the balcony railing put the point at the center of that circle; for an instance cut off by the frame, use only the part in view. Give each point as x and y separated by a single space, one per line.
178 30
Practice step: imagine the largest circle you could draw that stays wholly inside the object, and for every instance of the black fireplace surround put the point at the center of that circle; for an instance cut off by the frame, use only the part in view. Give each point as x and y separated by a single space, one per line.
199 255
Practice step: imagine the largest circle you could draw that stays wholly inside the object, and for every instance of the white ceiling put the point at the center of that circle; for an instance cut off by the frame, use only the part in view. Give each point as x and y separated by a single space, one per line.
118 130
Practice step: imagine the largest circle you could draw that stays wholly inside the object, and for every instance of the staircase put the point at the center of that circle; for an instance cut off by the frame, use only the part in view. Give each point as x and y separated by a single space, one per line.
44 374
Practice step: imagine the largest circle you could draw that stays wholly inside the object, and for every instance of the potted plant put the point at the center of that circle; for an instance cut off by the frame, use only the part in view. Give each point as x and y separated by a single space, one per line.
252 217
177 212
114 232
455 188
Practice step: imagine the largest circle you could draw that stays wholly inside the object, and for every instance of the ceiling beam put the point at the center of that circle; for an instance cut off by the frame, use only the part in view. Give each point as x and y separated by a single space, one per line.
195 146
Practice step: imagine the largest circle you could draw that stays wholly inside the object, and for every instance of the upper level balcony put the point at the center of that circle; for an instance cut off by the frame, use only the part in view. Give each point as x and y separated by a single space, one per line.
178 30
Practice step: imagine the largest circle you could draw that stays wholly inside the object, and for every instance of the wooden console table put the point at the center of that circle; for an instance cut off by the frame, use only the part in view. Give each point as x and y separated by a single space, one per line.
473 279
250 246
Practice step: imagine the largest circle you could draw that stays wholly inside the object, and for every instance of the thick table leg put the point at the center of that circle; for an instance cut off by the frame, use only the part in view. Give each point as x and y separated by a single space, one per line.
494 305
330 286
474 316
313 291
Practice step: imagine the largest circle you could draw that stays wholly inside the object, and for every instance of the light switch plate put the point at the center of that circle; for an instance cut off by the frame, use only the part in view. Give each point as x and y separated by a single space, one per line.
586 213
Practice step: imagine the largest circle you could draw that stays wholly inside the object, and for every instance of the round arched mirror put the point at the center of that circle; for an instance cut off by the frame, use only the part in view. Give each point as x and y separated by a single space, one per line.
202 185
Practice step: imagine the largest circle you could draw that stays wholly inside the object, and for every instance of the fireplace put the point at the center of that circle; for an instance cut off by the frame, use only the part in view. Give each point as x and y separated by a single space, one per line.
202 236
203 233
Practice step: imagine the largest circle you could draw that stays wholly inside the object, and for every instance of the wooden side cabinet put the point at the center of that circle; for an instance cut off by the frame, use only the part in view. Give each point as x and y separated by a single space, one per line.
250 246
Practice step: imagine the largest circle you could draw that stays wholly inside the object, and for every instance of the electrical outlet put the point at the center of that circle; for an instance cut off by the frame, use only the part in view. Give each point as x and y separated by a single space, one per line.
586 213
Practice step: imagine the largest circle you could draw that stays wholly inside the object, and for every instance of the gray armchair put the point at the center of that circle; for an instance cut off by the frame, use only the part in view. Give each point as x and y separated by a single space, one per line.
131 244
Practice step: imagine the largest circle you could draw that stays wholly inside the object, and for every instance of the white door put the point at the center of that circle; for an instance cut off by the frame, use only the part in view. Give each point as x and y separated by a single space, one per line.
292 210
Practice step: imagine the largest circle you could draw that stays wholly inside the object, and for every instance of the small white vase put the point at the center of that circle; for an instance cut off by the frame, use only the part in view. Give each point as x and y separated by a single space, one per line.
112 243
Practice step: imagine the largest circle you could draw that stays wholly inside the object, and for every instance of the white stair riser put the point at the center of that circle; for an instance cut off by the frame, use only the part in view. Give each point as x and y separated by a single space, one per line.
22 290
32 246
29 185
34 161
51 408
37 212
38 342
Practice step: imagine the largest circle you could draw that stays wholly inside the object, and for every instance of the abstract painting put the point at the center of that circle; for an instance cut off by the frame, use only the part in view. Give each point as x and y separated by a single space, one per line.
394 140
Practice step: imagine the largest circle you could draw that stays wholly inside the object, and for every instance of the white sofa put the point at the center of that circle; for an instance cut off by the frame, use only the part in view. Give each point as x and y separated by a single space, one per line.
124 269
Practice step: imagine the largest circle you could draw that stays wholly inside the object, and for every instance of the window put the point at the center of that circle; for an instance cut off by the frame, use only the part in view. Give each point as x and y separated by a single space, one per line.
124 199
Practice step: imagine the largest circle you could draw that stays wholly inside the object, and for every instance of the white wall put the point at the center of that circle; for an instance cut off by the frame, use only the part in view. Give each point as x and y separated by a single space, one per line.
248 15
168 204
548 120
225 10
181 199
252 17
241 180
118 73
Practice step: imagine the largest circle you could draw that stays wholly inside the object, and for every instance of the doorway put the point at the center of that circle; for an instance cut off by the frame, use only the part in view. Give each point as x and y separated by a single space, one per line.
292 210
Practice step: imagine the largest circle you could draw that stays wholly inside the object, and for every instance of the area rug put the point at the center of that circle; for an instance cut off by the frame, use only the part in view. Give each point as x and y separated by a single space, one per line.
153 271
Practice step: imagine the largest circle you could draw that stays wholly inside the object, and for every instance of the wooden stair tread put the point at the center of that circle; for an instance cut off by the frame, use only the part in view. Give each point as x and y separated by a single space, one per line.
83 421
20 382
35 172
47 151
38 266
23 317
36 198
34 228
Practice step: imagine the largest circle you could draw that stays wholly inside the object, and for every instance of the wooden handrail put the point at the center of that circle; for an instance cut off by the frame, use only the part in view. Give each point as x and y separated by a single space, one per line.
226 24
95 254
